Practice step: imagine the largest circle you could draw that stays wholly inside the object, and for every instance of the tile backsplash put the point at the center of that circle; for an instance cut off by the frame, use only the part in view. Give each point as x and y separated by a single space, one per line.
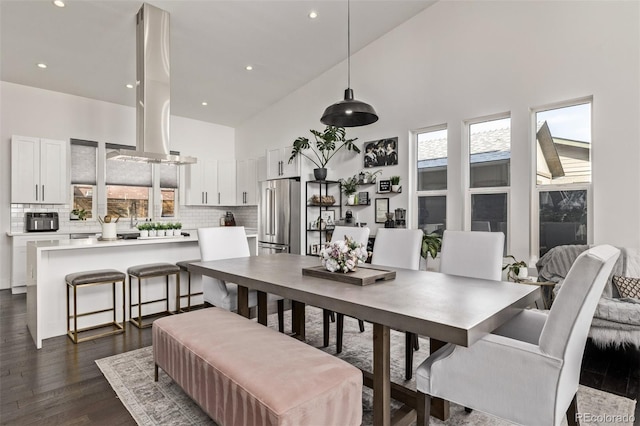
190 217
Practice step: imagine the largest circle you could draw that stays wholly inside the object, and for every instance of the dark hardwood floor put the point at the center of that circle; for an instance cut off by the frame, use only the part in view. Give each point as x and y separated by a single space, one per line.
60 384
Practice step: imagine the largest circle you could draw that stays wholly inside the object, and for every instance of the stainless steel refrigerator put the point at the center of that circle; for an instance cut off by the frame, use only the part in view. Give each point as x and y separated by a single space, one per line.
279 226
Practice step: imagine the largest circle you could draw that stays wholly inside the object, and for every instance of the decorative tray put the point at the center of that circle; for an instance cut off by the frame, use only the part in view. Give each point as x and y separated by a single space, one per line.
361 276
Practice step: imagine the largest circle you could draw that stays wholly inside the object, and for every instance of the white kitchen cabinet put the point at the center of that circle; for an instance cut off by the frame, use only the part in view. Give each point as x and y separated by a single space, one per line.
19 257
39 172
278 165
211 183
247 182
262 168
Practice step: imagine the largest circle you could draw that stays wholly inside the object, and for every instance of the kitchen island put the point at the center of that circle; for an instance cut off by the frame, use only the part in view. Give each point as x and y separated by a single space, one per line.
48 262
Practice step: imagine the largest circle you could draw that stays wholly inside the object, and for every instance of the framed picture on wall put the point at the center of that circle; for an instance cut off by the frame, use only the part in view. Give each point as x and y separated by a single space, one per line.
384 185
383 152
382 208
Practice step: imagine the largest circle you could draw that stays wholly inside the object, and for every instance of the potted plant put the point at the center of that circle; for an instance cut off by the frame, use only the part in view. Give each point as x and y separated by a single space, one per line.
395 183
144 230
370 177
153 230
350 187
517 270
325 146
431 245
177 229
79 214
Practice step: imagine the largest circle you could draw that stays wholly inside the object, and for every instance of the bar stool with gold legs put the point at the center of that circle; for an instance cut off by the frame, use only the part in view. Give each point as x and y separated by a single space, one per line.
184 266
91 278
152 270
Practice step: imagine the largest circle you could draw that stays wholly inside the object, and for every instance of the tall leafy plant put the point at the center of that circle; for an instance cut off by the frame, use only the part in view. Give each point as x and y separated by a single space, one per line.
326 144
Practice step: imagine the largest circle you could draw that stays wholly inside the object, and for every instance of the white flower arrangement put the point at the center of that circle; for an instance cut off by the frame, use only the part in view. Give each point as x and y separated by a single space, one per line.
343 255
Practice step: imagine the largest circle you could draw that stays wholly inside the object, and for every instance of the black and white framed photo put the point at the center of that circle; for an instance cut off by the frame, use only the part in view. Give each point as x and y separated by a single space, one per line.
384 185
383 152
315 248
382 208
329 217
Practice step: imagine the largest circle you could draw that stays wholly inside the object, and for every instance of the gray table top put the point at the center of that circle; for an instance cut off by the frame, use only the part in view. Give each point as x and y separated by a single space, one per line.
450 308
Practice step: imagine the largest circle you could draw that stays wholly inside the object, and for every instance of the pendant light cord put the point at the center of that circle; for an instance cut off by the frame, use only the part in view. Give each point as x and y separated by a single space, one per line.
348 44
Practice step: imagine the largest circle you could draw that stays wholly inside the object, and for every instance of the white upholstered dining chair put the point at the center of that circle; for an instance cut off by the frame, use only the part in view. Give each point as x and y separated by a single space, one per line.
359 235
217 243
528 370
395 248
475 254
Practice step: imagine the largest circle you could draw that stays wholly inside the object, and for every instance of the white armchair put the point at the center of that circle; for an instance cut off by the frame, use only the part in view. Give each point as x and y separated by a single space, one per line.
219 243
528 370
476 254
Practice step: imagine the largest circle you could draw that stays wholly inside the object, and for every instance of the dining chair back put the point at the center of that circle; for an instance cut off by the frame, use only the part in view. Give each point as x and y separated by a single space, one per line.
359 235
565 332
397 248
474 254
219 243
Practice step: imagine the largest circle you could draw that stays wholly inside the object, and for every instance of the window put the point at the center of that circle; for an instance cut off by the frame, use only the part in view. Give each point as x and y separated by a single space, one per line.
489 153
563 174
489 175
431 178
168 189
84 177
128 186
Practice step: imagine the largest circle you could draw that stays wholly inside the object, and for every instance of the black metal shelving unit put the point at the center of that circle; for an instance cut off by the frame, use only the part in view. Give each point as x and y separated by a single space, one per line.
314 211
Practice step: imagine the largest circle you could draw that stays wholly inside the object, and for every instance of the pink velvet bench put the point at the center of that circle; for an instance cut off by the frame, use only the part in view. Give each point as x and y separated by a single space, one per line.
242 373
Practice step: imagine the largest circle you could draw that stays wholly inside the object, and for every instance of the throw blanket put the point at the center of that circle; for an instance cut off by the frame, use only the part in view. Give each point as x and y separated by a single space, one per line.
554 265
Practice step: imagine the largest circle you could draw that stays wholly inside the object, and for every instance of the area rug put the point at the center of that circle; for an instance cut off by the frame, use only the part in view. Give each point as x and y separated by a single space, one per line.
164 403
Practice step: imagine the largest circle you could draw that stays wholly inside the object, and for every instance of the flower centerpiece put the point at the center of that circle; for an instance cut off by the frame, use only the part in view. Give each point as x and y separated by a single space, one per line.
343 255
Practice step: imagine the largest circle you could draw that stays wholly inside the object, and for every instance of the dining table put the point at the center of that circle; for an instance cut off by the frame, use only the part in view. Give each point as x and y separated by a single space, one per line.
446 308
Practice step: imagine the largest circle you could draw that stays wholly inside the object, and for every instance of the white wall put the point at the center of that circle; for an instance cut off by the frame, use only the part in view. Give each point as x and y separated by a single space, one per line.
40 113
460 60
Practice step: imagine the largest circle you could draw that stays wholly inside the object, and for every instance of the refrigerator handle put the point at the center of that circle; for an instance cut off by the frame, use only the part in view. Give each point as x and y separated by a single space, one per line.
272 212
268 197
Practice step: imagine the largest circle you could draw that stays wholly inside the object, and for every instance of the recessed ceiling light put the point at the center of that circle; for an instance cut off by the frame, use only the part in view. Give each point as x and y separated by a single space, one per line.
59 3
313 14
205 104
42 65
248 68
129 86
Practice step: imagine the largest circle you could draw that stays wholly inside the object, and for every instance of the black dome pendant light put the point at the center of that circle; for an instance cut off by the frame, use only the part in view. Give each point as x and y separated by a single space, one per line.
349 112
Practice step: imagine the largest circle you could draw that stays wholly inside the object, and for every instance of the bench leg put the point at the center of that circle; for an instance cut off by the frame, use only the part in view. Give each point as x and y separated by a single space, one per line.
155 373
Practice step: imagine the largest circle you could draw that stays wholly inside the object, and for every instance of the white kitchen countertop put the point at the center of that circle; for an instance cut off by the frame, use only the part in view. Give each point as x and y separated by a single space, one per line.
87 243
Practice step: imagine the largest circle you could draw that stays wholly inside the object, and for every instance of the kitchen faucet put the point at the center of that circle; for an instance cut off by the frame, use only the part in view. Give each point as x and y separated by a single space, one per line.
134 215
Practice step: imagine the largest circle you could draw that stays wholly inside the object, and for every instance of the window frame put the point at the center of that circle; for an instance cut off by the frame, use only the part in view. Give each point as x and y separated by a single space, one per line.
536 188
466 171
413 159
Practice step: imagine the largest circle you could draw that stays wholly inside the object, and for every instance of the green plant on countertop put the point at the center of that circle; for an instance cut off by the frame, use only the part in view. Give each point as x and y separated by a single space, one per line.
431 245
169 226
514 268
395 180
349 185
177 225
326 144
81 213
144 227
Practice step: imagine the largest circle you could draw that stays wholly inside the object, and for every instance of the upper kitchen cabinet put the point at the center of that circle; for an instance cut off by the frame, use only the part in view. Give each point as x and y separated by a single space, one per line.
211 183
39 170
278 165
247 182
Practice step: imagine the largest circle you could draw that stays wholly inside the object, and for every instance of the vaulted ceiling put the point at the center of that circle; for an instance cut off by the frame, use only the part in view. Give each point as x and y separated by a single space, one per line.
89 48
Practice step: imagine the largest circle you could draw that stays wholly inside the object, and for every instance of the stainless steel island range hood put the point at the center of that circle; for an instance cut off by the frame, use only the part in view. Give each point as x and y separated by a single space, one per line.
153 90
